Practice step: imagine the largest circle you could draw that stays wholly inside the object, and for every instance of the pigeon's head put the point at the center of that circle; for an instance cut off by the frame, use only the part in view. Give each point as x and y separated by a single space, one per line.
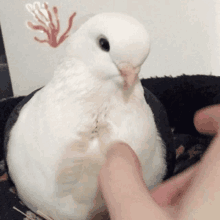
113 46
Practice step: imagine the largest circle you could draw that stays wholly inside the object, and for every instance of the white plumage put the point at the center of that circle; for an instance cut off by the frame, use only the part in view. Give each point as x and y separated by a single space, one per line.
57 146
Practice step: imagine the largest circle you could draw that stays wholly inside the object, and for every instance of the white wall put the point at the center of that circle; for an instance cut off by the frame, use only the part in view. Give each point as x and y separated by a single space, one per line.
184 37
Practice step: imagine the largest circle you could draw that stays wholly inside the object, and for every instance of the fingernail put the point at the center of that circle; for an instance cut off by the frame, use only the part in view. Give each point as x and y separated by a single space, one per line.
116 149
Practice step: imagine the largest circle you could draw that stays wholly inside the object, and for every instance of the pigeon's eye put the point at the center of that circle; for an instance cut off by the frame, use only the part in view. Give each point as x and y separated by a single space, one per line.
104 44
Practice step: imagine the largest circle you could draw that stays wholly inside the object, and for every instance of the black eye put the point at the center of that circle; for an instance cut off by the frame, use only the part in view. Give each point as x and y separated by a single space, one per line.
104 44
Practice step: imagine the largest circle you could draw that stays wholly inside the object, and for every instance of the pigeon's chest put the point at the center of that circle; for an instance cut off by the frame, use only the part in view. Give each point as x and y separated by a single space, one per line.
131 123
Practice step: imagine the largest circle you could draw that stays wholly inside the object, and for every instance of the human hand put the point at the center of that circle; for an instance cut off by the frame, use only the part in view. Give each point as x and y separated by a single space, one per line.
193 194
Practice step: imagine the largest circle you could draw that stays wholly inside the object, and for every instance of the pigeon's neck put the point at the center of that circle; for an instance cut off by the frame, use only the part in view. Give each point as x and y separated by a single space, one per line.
74 83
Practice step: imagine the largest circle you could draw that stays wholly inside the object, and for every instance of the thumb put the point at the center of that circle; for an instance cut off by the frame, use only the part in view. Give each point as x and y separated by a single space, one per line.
122 185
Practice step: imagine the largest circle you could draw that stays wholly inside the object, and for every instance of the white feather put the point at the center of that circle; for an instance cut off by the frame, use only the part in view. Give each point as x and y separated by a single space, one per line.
58 144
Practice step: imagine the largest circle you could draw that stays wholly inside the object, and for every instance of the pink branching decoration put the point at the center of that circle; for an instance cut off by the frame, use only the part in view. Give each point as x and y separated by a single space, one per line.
46 24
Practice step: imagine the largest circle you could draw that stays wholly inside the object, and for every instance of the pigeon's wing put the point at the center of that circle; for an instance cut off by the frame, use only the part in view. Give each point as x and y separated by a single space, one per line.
164 129
12 118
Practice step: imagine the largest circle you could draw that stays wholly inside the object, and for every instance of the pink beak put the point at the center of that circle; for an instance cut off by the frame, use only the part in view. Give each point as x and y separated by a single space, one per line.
129 74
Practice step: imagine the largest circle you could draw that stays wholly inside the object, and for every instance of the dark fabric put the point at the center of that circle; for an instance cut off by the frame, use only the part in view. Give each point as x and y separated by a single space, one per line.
182 96
8 200
5 82
189 150
6 107
2 48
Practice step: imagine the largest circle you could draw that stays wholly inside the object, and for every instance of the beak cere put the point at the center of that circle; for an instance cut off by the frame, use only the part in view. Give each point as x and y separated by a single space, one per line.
129 74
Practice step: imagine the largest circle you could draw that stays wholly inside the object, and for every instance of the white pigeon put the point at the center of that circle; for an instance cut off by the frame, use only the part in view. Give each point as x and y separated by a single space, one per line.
60 134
